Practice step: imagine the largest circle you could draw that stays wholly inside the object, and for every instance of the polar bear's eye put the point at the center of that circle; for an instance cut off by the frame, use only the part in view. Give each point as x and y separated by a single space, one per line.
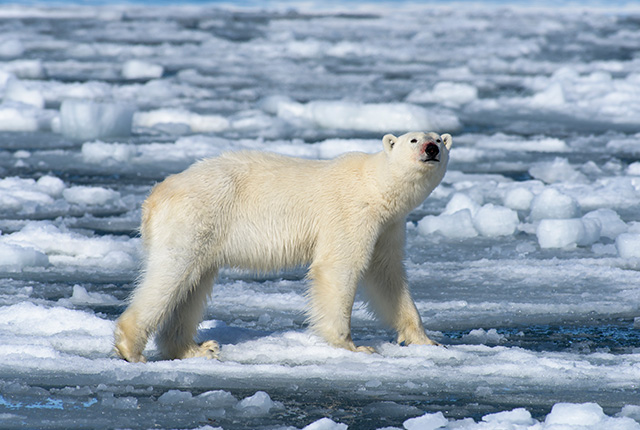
414 140
438 140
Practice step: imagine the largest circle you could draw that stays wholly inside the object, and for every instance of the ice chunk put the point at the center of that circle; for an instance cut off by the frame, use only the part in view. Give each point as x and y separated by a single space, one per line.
515 143
83 195
258 404
634 169
426 422
559 170
100 152
380 117
24 69
24 195
552 204
10 47
563 233
461 201
17 257
552 96
112 402
175 397
628 245
516 417
69 248
136 69
572 415
86 119
631 411
451 94
81 296
16 91
216 399
491 220
325 424
518 199
30 319
612 224
482 336
20 117
196 122
51 185
458 225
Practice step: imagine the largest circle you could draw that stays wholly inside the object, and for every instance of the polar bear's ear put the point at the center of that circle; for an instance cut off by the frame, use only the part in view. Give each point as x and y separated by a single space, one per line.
388 141
446 138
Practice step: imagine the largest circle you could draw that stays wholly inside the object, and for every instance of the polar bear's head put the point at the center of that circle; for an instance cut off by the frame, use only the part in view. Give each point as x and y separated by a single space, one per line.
424 151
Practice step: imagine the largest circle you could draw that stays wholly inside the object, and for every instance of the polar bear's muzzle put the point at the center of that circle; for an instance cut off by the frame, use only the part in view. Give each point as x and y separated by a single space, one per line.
430 152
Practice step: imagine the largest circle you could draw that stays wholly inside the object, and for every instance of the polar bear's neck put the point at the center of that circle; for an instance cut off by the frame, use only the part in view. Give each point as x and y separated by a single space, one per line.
402 190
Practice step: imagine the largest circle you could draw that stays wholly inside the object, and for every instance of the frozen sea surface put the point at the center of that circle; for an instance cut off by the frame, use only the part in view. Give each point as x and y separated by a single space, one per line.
524 263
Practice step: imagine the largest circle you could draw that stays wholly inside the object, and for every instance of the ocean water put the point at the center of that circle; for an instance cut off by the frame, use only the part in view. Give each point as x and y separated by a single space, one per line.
524 263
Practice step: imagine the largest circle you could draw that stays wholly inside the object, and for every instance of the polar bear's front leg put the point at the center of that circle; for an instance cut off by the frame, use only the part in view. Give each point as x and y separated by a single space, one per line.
388 290
331 295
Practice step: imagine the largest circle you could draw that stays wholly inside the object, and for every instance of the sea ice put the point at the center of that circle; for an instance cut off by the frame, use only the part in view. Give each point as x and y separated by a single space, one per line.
16 91
460 201
519 417
492 220
518 199
558 170
458 225
550 130
101 152
83 195
197 123
11 48
628 245
24 117
137 69
588 414
17 257
634 169
446 94
258 404
552 204
611 224
87 119
563 233
426 422
381 117
325 424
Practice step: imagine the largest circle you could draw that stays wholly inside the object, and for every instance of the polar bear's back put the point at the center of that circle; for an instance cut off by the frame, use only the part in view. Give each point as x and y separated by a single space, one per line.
253 210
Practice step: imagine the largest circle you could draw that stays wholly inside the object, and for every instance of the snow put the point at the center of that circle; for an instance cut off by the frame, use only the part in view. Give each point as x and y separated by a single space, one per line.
523 262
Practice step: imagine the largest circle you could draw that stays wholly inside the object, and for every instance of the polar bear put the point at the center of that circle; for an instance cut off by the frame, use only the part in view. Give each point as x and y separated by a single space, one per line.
344 218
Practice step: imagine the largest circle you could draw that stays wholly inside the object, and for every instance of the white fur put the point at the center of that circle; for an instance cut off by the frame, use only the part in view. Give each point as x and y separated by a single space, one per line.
261 211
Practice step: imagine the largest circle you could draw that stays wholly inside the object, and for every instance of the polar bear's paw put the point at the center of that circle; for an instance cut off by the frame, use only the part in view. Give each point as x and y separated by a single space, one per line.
367 349
209 349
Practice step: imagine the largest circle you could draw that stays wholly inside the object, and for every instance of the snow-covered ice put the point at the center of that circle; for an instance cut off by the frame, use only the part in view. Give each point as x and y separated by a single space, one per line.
525 261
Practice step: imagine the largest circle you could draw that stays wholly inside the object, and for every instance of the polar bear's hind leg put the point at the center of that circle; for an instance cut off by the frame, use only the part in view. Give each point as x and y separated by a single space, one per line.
176 334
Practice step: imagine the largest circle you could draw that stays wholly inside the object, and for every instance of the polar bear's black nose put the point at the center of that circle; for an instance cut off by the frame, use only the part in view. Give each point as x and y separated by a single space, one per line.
432 150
